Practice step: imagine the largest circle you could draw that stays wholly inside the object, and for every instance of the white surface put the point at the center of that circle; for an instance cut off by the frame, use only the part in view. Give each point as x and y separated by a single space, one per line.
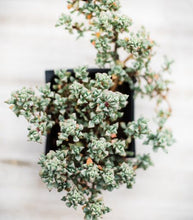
29 44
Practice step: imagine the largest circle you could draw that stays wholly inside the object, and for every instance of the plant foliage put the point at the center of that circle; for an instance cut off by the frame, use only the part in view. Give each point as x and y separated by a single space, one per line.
87 111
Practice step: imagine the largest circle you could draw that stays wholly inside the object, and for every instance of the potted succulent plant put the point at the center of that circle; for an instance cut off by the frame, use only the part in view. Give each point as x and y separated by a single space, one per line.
127 111
88 115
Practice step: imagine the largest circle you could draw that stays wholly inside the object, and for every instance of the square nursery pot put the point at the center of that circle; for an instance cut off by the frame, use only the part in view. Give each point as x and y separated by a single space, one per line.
127 116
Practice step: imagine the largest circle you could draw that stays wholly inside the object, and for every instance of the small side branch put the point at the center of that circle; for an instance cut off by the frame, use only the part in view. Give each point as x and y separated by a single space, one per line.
116 81
128 58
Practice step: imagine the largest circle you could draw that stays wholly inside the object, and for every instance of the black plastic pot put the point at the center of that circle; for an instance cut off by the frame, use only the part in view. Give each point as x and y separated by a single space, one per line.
127 116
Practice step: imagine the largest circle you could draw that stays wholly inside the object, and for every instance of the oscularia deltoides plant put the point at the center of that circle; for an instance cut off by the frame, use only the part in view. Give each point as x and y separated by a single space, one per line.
90 156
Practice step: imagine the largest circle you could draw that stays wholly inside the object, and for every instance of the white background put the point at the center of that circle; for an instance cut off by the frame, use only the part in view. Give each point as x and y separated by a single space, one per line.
30 44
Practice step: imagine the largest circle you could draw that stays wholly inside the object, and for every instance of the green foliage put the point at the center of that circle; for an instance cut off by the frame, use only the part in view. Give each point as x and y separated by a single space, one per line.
136 129
91 156
143 161
160 139
95 209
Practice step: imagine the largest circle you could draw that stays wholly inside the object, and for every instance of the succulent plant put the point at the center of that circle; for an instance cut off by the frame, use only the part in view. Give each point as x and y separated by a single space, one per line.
90 156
